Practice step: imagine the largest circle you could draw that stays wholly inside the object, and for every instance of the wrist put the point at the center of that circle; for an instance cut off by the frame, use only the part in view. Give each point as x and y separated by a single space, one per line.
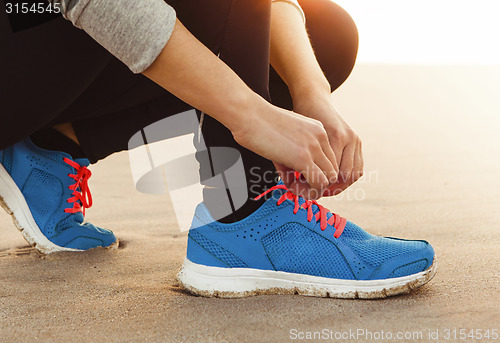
306 92
241 113
315 104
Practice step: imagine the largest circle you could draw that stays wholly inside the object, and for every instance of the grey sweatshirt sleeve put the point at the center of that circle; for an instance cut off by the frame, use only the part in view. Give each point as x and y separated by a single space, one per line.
135 31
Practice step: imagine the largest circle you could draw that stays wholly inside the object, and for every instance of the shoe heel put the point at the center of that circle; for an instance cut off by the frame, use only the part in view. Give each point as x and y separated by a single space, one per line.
6 193
12 201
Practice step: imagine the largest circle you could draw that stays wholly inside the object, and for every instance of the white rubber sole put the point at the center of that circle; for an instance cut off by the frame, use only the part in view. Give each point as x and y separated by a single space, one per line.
12 201
243 282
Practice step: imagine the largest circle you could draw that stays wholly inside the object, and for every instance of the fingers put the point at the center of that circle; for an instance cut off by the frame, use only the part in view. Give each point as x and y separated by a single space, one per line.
312 180
286 174
327 166
337 149
323 155
297 186
357 170
323 170
301 187
347 163
317 181
356 173
314 158
328 161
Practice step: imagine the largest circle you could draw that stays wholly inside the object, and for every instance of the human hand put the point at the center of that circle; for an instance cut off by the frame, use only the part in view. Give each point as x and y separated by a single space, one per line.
343 140
294 143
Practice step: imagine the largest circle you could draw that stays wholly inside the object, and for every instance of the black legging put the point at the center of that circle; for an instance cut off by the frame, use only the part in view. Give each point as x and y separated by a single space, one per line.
54 73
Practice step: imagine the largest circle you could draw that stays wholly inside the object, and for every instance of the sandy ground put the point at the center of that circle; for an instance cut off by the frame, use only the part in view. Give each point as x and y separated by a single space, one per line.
432 172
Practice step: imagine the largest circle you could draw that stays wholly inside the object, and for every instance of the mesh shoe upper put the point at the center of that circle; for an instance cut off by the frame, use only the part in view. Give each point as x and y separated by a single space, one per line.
276 238
43 178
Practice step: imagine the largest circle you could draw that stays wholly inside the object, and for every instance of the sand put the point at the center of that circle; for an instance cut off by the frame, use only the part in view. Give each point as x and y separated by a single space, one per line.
432 166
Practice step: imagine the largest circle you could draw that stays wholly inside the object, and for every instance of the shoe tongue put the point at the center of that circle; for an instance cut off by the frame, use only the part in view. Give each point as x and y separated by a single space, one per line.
78 217
315 208
75 218
82 161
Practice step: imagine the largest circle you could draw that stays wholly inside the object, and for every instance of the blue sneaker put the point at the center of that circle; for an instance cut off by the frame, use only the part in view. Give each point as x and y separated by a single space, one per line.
295 246
46 193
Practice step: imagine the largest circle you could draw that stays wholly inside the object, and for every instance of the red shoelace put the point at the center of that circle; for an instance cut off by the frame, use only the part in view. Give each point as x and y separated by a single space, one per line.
83 195
335 220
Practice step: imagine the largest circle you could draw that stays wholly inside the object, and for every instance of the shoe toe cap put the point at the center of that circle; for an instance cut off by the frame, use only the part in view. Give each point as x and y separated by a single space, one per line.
415 260
86 236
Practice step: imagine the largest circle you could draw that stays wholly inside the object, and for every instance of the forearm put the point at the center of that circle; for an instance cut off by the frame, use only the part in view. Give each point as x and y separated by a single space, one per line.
190 71
193 73
292 55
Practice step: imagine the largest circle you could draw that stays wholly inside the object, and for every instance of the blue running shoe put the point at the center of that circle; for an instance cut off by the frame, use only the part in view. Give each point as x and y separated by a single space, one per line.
295 246
46 193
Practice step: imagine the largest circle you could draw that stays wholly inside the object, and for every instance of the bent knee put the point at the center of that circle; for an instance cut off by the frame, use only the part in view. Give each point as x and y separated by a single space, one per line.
334 37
